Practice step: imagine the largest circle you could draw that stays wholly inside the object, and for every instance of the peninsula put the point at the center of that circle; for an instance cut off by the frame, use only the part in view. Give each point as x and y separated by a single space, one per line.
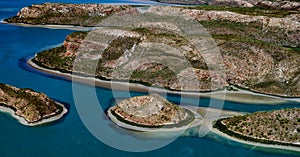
278 127
29 107
151 113
68 14
259 51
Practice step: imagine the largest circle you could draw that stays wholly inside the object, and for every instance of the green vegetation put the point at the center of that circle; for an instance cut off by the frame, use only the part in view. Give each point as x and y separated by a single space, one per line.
78 35
243 42
53 59
227 30
274 127
59 19
118 46
218 124
240 44
254 11
30 106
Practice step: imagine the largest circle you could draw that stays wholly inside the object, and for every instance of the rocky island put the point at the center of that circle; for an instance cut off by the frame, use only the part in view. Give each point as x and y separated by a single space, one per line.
278 127
29 107
151 112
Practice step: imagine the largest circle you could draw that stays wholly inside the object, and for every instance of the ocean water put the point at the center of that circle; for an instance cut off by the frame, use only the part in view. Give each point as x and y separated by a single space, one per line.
69 136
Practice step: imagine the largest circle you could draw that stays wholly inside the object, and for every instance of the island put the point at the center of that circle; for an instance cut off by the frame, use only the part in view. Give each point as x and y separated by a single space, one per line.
151 113
29 107
278 127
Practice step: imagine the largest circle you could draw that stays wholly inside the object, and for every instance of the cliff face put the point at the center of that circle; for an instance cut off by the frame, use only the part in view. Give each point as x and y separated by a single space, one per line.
69 14
26 103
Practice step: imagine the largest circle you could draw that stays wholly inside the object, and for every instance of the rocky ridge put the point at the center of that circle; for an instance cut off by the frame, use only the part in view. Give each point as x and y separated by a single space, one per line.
68 14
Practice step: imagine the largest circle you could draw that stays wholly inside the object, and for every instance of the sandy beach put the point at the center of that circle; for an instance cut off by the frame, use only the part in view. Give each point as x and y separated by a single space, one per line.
43 121
241 96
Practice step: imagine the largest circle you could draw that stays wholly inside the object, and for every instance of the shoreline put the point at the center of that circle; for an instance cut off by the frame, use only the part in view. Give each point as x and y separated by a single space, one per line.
245 96
196 122
223 135
22 120
49 26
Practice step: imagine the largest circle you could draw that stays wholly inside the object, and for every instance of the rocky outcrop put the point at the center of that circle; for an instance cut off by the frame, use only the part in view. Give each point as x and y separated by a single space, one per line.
68 14
30 105
151 111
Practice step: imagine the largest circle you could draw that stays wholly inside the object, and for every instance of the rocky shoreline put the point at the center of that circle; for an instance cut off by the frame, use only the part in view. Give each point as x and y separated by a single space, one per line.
29 107
277 128
151 112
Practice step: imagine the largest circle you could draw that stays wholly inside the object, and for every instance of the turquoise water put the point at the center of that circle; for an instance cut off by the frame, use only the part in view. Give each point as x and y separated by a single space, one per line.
69 136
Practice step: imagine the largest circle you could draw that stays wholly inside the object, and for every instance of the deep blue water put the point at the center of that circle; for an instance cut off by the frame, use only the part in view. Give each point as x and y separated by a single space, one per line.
69 136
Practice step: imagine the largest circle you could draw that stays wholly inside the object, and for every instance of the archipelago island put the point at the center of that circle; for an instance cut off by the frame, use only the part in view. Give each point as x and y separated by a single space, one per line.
29 107
259 45
151 113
